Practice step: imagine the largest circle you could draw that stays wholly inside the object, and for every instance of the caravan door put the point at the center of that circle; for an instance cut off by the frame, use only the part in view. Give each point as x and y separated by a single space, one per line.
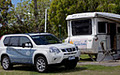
107 35
112 33
103 37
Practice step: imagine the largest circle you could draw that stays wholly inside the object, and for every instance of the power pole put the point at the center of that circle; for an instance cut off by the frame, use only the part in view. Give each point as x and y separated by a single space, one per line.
45 20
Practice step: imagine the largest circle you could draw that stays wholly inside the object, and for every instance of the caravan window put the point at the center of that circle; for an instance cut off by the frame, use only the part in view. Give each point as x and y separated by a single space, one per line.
102 27
81 27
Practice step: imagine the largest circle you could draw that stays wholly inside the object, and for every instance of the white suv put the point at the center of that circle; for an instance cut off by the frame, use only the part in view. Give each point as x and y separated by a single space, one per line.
39 49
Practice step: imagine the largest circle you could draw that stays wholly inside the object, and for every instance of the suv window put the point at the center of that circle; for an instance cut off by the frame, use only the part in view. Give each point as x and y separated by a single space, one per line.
6 41
24 39
14 41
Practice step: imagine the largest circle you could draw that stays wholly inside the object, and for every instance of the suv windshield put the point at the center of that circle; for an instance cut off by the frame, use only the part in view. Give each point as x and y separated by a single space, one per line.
45 39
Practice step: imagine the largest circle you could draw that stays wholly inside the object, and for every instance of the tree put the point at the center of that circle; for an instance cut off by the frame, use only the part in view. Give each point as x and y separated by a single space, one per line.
29 16
20 21
5 6
36 14
59 9
39 12
26 18
107 6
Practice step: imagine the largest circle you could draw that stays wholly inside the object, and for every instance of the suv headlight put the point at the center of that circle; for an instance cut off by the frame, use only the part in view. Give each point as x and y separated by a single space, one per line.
54 50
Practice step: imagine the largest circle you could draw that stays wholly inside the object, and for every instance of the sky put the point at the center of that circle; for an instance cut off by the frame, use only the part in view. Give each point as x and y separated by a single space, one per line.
14 2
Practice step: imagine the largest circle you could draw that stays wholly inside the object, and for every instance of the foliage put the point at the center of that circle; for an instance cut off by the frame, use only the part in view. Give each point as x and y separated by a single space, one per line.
4 9
60 9
22 18
27 18
5 6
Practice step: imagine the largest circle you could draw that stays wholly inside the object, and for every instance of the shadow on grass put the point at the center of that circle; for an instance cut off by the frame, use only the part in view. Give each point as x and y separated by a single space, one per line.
24 68
64 70
50 70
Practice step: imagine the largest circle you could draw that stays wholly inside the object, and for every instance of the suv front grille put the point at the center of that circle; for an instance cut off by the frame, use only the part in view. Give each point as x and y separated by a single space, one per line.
70 53
68 50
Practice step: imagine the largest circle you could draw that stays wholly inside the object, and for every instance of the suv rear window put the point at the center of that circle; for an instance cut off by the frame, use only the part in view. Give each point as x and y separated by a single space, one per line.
11 41
14 41
6 41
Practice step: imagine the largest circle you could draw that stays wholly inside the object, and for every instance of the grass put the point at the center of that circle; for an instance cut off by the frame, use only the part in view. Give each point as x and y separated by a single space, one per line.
85 57
79 70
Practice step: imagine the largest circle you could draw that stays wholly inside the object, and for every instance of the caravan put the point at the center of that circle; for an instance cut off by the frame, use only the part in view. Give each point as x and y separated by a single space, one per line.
94 31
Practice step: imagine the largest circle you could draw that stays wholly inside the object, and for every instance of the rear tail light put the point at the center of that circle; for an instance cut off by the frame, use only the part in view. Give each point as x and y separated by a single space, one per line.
1 37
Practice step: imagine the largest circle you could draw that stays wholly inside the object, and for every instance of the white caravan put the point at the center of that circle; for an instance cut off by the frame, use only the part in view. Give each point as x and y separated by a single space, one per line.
93 30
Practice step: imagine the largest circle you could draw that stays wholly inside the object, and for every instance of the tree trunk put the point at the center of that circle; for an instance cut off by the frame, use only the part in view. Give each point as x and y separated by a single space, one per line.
36 14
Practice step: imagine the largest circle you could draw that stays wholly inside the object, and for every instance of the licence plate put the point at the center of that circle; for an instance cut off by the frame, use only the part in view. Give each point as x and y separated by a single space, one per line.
71 58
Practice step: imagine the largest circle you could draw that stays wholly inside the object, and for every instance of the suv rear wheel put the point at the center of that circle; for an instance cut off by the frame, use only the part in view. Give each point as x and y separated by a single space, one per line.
41 64
6 63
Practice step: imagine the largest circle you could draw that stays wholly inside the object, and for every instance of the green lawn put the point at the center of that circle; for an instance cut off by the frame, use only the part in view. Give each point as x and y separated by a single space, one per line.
79 70
85 57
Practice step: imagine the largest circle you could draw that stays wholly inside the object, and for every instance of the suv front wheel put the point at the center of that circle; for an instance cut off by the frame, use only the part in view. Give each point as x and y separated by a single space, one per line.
6 63
41 64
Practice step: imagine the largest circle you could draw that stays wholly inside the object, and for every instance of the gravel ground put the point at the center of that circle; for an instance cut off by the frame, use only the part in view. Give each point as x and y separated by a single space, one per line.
103 63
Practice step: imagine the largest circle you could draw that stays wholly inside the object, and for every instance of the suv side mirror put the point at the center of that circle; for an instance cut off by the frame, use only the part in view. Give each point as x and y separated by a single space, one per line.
27 44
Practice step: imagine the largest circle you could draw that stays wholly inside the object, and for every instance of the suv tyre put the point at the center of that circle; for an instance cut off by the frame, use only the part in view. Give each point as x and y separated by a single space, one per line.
6 63
41 64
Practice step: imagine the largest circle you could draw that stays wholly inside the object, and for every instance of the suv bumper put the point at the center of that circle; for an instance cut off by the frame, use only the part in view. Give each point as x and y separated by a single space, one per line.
65 61
62 57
